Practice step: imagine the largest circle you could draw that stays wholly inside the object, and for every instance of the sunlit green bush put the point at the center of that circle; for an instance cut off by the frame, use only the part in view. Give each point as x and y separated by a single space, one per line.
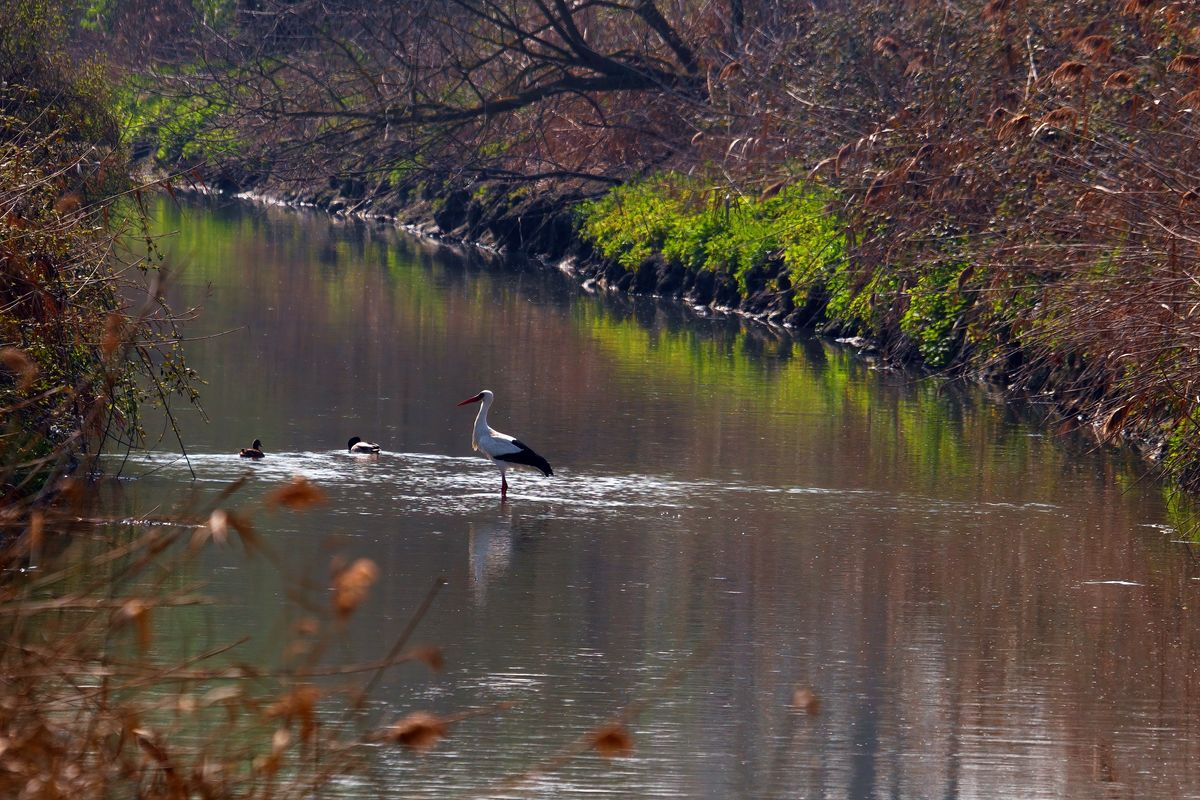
179 130
706 227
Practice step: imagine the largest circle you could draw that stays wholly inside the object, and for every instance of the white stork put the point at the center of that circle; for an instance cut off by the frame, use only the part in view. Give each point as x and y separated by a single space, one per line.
502 449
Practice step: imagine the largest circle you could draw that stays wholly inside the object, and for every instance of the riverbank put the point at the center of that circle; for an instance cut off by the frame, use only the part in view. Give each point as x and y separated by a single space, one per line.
1011 183
549 228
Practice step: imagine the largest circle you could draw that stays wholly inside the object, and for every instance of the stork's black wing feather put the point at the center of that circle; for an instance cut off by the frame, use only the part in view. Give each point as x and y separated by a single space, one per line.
526 457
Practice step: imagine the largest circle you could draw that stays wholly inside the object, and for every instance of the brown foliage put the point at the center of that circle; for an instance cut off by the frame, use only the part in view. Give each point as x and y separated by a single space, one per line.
1098 47
1121 79
887 45
612 741
1184 63
298 495
350 585
91 709
1017 125
806 700
420 731
995 8
1071 73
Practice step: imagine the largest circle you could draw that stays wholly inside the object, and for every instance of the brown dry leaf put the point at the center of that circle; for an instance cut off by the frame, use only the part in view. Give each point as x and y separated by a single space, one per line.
300 704
820 166
1018 125
1112 425
420 730
612 740
280 741
772 190
1071 72
138 613
1062 117
18 363
1191 100
220 695
297 649
1184 63
430 656
67 203
114 333
806 700
146 740
994 8
218 523
245 531
200 537
886 45
298 495
1121 79
1096 46
33 540
350 585
878 191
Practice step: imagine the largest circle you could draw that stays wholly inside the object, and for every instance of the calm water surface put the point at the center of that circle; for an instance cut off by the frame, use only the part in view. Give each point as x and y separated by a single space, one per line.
984 609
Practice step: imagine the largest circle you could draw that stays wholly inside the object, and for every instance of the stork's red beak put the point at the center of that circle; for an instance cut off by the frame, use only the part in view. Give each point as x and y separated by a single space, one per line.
469 400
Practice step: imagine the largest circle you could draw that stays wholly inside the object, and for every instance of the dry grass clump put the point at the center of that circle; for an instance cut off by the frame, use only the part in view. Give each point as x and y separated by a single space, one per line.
92 708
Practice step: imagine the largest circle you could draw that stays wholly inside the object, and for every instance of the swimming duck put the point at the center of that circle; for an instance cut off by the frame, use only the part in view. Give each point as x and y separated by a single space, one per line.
357 445
253 451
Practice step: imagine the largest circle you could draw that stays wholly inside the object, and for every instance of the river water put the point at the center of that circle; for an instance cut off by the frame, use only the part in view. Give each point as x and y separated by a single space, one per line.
983 608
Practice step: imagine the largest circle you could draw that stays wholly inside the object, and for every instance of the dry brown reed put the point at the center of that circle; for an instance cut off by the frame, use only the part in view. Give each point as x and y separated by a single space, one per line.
96 705
1063 218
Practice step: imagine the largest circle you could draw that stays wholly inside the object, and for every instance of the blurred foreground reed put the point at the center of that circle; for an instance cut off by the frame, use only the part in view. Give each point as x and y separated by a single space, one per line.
91 707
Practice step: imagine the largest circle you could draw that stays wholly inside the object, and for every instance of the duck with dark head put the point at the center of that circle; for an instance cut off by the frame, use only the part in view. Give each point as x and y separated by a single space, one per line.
358 446
253 451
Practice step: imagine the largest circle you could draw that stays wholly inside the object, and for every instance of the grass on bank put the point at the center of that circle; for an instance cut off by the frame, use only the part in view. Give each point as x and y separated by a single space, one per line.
948 310
791 241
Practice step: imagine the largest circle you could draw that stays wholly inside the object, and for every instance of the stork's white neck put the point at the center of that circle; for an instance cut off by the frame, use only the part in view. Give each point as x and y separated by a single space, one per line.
481 423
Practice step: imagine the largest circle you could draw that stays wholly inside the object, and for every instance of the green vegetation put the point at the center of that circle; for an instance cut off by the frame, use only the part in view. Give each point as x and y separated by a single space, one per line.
790 242
181 131
704 227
